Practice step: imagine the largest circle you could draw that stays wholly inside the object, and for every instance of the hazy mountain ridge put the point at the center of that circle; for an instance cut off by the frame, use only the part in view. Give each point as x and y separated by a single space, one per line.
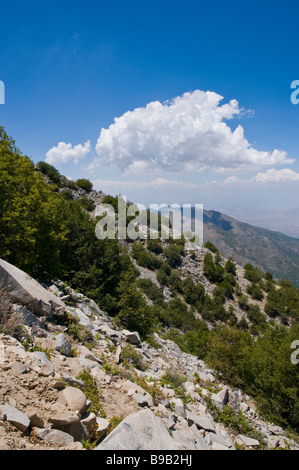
268 250
285 221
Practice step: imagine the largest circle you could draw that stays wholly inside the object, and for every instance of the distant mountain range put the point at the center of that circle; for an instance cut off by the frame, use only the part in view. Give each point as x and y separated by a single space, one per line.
284 221
270 251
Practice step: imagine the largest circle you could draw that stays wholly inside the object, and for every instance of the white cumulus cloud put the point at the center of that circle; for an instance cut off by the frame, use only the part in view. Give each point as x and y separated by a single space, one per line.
277 176
65 152
188 133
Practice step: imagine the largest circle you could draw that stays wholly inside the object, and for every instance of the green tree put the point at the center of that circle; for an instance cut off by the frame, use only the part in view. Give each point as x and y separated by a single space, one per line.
49 171
273 379
32 228
228 352
133 311
173 255
84 184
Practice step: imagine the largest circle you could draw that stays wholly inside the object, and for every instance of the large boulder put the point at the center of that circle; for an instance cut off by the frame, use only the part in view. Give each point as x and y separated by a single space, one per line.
201 421
131 336
54 437
26 290
221 399
63 345
140 431
15 417
75 399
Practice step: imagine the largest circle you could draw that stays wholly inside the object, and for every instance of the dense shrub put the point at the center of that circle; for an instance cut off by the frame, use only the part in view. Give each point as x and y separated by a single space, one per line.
84 184
49 171
144 258
252 274
255 291
173 255
151 290
215 273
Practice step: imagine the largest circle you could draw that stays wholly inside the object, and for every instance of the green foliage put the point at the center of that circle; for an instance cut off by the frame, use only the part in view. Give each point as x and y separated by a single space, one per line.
144 258
163 274
130 356
194 294
255 291
113 201
227 286
215 273
176 380
78 332
133 311
176 314
213 309
228 352
235 422
84 184
91 265
255 315
87 204
32 228
243 302
153 389
173 254
273 379
230 267
49 235
151 290
253 275
263 368
70 184
210 246
194 341
91 392
243 324
49 171
283 302
155 246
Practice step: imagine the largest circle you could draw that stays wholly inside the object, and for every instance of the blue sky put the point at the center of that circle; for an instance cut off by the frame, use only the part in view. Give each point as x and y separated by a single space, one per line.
162 68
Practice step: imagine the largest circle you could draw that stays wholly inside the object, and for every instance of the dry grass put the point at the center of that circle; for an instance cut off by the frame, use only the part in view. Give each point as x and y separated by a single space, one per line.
9 319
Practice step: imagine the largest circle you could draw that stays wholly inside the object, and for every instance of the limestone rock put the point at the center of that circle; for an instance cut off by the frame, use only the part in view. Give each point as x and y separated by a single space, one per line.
185 438
247 441
132 337
179 407
200 442
15 417
201 421
140 431
89 421
54 437
75 399
63 345
26 290
64 419
103 426
143 399
222 398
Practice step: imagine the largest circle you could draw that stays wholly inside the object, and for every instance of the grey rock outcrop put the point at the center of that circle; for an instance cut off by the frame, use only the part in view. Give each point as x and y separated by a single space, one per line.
140 431
54 437
15 417
26 290
63 345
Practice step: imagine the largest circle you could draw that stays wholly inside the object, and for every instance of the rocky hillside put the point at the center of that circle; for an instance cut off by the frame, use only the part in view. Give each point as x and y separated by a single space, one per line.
195 344
69 379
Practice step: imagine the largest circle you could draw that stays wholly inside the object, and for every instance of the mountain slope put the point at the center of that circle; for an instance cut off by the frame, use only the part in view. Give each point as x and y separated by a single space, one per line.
268 250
